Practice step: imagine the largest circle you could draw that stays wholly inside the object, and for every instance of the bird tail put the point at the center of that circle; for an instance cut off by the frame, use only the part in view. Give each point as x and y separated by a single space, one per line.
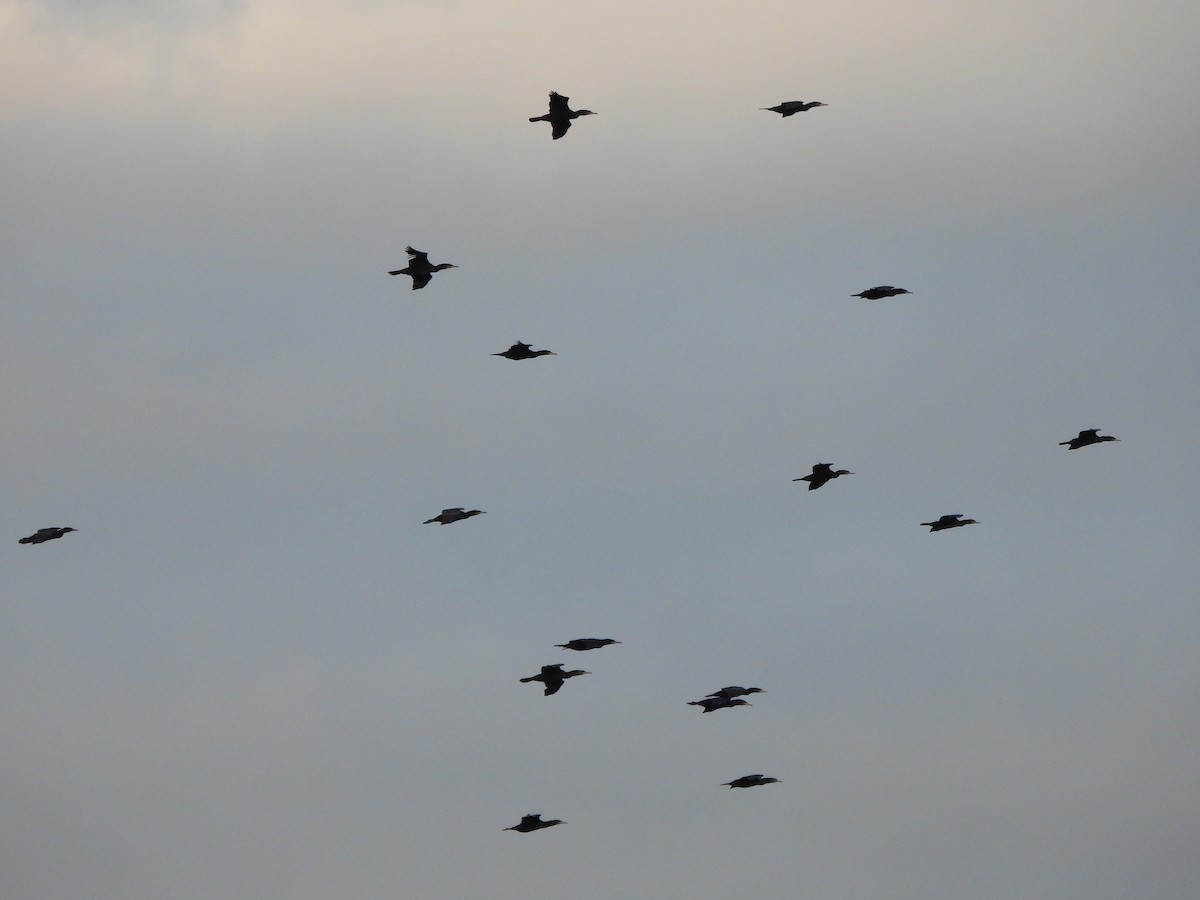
530 678
397 272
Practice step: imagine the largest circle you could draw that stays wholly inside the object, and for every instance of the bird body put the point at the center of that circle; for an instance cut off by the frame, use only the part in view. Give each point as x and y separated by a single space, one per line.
822 473
1087 438
714 703
560 115
750 781
553 677
949 521
728 693
880 292
791 107
534 822
521 350
45 534
587 643
420 269
446 516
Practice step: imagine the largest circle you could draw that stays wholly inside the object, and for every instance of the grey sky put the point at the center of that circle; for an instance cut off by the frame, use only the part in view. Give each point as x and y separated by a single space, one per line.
254 674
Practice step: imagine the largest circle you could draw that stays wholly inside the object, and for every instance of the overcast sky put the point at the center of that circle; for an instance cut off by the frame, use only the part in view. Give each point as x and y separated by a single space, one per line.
253 674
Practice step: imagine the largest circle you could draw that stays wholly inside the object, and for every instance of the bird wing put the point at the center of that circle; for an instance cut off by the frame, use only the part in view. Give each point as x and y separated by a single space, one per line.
561 127
552 686
417 256
559 103
420 279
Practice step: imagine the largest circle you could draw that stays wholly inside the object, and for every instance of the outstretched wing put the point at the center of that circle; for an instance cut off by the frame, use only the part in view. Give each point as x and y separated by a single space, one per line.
417 256
559 105
561 127
420 279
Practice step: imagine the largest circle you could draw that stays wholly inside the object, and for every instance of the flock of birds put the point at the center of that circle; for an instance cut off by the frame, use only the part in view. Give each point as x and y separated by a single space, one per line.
552 677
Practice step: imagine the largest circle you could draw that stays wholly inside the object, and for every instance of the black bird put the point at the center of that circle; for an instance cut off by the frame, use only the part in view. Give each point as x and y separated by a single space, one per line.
728 693
523 351
534 822
821 474
1086 438
712 703
750 781
587 643
420 268
560 115
883 290
791 107
553 677
446 516
45 534
949 521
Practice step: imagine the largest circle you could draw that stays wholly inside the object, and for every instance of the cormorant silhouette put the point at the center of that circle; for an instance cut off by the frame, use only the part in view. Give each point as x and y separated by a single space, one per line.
45 534
446 516
1086 438
791 107
728 693
587 643
713 703
949 521
821 474
534 822
750 781
553 677
883 290
420 269
560 115
520 350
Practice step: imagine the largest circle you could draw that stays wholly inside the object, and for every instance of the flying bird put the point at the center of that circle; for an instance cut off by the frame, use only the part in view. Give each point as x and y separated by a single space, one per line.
728 693
534 822
587 643
523 351
1086 438
822 473
560 115
45 534
553 677
446 516
714 703
420 268
791 107
949 521
883 290
750 781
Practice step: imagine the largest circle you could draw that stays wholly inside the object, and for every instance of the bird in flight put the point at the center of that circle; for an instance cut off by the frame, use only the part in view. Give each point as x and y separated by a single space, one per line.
1087 438
420 269
521 350
791 107
534 822
560 115
822 473
446 516
750 781
949 521
45 534
883 290
553 677
587 643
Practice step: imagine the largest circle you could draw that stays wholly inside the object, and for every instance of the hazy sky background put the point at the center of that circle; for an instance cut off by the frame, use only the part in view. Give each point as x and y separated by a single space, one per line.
254 674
